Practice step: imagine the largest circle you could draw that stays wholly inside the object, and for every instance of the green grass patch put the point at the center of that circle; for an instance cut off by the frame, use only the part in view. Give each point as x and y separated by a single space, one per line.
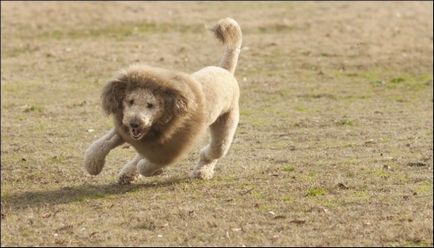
288 168
246 112
265 207
258 195
328 203
362 195
125 30
309 178
316 191
425 187
397 80
300 108
344 122
259 122
34 108
58 158
381 172
275 28
390 79
287 199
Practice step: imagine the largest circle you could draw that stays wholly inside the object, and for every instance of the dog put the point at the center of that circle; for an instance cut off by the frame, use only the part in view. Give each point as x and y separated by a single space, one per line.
163 113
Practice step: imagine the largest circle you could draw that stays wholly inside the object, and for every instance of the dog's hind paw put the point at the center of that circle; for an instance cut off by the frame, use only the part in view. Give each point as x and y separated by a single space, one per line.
205 170
203 174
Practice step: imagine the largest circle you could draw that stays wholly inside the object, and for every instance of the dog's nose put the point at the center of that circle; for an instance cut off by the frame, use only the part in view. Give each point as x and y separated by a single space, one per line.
134 124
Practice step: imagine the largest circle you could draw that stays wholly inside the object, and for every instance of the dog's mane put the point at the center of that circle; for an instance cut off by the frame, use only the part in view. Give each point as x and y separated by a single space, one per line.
182 95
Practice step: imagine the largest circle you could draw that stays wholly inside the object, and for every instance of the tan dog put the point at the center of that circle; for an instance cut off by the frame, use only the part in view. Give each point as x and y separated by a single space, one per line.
162 113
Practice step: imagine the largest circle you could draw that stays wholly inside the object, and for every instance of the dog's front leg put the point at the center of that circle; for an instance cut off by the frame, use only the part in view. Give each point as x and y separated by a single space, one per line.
94 157
148 169
129 172
137 165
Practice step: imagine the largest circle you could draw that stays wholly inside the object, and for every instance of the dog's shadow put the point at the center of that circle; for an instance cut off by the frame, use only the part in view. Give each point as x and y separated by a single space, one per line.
79 193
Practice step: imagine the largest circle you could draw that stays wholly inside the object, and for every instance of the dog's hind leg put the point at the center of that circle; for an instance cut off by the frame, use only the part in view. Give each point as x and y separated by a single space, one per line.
129 172
222 134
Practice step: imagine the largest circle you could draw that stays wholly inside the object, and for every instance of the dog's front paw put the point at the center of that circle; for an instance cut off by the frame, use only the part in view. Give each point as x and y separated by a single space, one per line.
147 173
94 159
148 170
157 172
93 166
125 179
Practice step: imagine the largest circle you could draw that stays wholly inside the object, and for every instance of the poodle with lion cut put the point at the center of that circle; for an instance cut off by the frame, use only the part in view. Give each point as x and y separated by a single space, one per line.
163 113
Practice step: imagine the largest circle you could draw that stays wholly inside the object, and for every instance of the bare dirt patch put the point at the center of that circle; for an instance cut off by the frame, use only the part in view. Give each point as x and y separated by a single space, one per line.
334 145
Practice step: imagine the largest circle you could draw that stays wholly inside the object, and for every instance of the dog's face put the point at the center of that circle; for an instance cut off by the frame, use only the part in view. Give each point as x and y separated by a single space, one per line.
141 110
144 105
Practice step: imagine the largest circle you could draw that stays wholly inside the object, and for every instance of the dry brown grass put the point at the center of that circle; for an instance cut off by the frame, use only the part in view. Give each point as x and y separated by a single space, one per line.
334 145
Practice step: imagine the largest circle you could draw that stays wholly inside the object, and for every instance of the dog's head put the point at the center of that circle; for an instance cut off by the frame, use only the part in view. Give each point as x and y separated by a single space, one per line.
141 103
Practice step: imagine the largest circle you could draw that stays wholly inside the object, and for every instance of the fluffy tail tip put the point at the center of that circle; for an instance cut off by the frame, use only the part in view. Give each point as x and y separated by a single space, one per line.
228 31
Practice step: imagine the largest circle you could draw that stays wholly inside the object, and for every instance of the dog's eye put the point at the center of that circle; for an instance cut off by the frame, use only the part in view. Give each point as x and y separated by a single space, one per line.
131 102
150 105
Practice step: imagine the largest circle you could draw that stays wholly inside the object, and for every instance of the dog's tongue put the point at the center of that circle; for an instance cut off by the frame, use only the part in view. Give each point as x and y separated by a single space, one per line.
136 131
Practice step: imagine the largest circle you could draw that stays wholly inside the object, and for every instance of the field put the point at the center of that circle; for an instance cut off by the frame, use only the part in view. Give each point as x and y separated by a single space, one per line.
334 145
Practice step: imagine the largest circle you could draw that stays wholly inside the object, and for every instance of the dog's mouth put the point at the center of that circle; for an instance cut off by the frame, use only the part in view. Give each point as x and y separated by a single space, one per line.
137 133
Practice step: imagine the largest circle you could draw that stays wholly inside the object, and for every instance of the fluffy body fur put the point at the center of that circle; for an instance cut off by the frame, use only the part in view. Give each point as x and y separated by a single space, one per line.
163 113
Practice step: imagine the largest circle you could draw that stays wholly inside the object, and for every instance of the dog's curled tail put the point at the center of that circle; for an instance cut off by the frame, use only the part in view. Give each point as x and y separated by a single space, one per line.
228 31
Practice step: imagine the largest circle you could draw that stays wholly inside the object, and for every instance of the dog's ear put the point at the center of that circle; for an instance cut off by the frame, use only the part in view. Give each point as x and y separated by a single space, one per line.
113 95
180 104
177 101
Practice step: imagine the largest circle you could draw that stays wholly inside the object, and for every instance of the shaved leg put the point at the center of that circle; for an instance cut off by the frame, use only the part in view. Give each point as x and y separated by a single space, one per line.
148 169
94 157
222 134
129 172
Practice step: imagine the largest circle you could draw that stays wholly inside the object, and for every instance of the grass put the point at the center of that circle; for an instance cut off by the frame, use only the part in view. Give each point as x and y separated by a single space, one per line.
331 120
344 122
275 28
425 188
313 192
288 168
33 108
121 31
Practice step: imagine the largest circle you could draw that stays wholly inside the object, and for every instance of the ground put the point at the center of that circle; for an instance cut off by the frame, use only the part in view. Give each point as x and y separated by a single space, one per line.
334 145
